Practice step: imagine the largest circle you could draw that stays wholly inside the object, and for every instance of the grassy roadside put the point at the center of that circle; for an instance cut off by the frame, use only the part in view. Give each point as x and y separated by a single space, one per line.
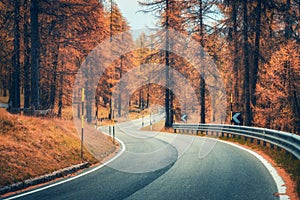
158 126
31 147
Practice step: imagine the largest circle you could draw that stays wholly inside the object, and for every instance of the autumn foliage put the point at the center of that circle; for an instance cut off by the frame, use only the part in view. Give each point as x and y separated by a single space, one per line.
255 45
278 90
33 147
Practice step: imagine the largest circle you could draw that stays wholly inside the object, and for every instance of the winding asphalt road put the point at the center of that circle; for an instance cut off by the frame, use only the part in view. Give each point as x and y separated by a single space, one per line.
169 166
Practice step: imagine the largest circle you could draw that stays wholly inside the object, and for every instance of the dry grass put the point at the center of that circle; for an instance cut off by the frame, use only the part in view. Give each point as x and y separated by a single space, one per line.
30 147
134 113
158 126
4 99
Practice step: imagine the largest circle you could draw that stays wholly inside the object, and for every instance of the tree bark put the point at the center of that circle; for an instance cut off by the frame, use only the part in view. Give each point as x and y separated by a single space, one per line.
169 120
27 73
59 113
35 56
15 94
120 95
54 76
288 31
202 81
247 106
256 53
236 71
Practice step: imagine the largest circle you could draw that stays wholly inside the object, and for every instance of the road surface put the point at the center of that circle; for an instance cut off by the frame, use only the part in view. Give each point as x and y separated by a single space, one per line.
169 166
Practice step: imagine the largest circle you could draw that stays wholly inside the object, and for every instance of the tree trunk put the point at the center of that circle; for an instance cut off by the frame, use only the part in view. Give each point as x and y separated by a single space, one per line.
288 31
15 94
236 71
202 81
256 53
110 115
26 60
35 56
247 107
54 75
140 98
4 83
59 113
169 120
148 97
120 95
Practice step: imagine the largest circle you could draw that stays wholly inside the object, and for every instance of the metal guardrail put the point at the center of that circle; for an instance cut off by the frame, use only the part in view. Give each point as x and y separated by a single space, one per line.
288 141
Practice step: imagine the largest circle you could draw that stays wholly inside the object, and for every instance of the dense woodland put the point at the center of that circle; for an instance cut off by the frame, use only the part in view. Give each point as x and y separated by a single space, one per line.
254 43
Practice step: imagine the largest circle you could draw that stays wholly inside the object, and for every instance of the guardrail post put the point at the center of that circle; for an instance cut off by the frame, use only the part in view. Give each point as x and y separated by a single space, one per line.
245 138
251 140
264 143
258 142
227 135
222 134
272 146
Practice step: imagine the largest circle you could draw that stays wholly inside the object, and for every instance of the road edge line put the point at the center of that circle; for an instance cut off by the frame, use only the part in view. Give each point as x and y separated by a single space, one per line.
273 172
123 148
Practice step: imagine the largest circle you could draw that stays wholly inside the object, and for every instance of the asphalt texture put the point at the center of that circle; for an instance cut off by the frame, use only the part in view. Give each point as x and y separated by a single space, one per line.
169 166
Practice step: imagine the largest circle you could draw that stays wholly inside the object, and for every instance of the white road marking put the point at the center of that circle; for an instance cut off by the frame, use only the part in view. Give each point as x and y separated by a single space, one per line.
278 180
73 178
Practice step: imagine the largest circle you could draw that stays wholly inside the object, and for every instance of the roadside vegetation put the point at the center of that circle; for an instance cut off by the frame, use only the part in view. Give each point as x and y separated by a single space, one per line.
31 147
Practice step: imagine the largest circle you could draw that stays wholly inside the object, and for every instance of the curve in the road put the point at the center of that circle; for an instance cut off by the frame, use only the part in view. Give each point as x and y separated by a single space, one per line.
225 172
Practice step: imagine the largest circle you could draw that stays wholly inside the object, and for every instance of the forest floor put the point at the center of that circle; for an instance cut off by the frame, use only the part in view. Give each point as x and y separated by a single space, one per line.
31 147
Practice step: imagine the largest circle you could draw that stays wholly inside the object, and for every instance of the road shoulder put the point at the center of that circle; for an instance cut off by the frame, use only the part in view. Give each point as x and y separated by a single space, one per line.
286 186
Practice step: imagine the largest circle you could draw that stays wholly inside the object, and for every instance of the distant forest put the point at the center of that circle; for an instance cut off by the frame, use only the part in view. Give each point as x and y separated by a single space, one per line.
255 45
